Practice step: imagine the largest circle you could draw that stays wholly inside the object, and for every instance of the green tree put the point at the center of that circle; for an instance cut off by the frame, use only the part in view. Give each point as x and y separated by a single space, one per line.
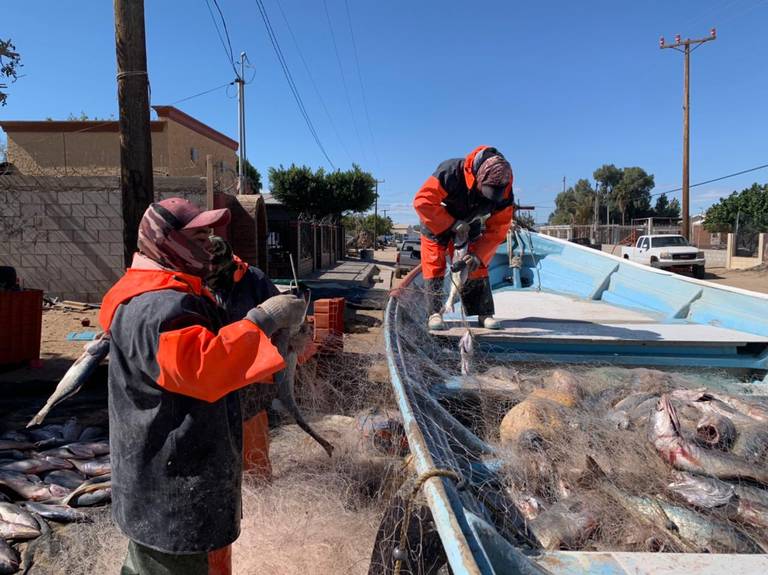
321 194
749 205
10 62
252 175
666 209
525 219
355 222
576 205
632 195
607 177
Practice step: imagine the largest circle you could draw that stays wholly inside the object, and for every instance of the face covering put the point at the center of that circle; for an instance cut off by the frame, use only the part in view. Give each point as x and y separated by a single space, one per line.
161 241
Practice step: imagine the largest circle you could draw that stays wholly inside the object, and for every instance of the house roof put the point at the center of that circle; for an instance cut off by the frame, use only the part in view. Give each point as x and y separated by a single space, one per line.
163 112
195 125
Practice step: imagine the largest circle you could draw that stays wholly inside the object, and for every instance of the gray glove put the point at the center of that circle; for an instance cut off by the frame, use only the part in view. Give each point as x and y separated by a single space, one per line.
278 312
460 230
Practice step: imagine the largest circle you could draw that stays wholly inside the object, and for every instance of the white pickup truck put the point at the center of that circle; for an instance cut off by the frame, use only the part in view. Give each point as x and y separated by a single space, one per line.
666 251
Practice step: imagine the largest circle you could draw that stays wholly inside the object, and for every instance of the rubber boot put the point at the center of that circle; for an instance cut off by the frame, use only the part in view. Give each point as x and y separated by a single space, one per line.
435 322
488 322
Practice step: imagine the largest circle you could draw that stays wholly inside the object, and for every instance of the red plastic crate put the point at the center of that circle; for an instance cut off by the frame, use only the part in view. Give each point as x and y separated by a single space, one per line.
21 319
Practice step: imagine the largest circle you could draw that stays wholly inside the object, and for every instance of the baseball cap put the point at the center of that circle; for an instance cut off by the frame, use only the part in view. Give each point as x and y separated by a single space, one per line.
184 215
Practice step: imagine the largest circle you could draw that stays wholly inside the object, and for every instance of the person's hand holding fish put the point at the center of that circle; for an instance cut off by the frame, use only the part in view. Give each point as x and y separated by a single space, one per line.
472 262
278 312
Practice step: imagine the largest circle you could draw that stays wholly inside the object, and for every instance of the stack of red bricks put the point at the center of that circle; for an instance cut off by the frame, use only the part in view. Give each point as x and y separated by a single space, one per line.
329 324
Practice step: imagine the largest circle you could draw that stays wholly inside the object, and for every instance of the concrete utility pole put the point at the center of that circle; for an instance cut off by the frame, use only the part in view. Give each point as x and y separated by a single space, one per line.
241 125
686 44
136 182
376 214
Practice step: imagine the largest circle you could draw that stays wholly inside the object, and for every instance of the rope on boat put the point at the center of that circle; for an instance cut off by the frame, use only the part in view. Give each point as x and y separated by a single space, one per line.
400 552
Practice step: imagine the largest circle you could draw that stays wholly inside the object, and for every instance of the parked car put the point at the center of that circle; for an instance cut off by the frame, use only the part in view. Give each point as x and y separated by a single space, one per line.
666 251
408 257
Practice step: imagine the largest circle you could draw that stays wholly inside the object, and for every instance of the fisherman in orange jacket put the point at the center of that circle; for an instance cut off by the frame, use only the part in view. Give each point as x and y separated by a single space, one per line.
175 424
452 204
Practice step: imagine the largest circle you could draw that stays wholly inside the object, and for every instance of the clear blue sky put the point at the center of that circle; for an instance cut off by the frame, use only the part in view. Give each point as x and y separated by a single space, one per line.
560 87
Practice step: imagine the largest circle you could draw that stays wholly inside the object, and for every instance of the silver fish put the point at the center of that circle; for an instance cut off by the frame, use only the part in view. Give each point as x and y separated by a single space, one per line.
9 559
76 376
96 497
286 400
30 487
59 513
716 431
703 492
458 278
66 478
708 403
754 409
89 486
752 442
681 454
93 467
12 513
565 525
17 531
11 444
92 433
37 465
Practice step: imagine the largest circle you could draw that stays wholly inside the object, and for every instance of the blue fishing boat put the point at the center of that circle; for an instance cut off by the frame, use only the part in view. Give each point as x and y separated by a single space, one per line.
559 303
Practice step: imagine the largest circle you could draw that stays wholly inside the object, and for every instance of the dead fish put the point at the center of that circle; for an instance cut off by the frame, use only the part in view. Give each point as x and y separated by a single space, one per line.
752 442
13 454
716 432
92 433
92 485
686 456
95 447
30 487
37 465
458 277
751 493
66 478
721 497
76 376
11 444
706 533
15 435
703 492
753 409
71 430
59 513
9 559
286 400
708 403
12 513
619 419
565 525
17 531
92 498
93 467
466 351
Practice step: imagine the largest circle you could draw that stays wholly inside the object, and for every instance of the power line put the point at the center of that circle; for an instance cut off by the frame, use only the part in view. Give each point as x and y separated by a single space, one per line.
291 84
202 93
228 45
362 88
714 180
312 80
343 79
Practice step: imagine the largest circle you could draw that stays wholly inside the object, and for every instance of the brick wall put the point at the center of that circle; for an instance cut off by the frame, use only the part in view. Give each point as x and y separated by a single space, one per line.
64 235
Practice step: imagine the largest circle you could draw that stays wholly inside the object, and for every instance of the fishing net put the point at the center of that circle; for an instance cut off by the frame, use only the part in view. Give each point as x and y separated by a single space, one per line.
557 456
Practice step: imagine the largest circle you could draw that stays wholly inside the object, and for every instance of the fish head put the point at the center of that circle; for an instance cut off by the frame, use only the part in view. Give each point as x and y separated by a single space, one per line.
664 420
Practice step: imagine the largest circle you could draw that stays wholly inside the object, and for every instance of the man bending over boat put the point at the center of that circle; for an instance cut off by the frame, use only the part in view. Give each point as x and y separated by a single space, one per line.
451 205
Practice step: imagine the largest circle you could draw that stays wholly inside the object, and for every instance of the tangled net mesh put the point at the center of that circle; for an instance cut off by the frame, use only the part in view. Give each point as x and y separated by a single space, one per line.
572 455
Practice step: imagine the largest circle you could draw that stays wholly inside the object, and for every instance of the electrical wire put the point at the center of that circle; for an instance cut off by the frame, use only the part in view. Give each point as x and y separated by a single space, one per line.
202 93
344 79
312 80
362 88
289 78
713 180
228 44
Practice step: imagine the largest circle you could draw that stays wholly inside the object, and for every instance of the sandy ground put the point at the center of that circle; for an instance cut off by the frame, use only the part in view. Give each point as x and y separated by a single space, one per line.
754 280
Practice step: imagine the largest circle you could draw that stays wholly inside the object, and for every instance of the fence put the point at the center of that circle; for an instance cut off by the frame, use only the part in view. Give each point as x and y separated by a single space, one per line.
314 245
605 234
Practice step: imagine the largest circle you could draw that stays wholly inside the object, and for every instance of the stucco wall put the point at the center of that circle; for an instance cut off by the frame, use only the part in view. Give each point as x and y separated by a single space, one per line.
65 235
76 153
181 140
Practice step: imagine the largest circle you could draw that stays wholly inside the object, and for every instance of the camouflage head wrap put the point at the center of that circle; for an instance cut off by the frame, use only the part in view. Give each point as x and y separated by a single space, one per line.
223 266
161 240
495 171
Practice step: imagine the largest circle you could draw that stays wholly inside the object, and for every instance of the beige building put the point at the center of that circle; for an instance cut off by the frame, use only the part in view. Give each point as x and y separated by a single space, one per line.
180 144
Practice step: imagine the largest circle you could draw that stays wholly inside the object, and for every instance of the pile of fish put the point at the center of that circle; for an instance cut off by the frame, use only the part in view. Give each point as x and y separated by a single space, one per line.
640 465
46 474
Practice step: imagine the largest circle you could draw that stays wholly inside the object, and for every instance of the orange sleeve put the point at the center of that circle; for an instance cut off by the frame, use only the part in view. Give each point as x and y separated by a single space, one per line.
199 363
496 228
427 205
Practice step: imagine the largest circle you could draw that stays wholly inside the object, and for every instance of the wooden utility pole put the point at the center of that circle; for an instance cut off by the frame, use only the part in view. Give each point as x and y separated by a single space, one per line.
136 181
686 49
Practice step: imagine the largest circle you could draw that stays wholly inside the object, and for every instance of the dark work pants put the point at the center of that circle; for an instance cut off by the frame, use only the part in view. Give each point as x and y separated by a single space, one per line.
142 560
475 294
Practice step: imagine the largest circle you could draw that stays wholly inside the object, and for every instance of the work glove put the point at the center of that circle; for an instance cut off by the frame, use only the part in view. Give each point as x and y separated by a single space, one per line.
460 230
473 262
278 312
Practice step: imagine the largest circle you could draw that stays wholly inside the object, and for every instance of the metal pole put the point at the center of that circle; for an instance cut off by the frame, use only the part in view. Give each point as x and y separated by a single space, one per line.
136 180
686 146
241 126
376 214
